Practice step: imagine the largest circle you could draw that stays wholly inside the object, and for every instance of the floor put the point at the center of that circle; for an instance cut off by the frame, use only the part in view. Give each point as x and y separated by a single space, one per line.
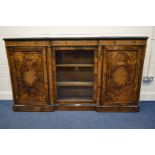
145 119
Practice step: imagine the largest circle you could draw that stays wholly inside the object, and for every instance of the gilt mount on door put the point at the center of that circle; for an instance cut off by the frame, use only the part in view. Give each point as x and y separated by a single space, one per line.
101 73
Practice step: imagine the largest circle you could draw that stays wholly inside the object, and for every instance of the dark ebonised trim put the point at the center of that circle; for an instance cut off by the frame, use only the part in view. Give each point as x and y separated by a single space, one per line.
78 38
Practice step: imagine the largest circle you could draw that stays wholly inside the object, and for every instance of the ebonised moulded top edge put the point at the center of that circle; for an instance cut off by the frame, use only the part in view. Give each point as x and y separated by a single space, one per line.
78 38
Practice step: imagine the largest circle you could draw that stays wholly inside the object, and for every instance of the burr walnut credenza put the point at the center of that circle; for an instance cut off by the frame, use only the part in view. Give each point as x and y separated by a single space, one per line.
99 73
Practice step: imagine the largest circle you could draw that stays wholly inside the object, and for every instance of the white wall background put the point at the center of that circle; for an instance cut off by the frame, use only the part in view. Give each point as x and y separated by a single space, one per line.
147 90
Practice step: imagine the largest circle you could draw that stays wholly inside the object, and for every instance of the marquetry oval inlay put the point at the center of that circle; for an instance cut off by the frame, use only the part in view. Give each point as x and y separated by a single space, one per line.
120 76
30 76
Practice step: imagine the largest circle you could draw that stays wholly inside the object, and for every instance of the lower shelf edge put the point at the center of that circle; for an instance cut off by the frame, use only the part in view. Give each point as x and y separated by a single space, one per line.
117 108
29 108
87 107
76 107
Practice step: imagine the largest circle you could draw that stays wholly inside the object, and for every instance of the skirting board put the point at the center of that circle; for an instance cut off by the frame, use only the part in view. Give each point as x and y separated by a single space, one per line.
145 96
6 95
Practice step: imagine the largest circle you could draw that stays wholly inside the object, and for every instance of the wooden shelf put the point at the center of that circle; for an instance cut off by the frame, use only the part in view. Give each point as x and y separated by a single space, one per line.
75 99
75 65
74 83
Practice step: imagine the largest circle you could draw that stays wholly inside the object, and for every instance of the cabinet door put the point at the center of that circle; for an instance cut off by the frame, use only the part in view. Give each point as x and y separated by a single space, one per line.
29 74
121 74
75 74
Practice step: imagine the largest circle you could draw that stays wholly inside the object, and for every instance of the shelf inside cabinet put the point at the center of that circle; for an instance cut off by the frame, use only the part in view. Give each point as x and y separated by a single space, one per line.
75 65
89 99
75 83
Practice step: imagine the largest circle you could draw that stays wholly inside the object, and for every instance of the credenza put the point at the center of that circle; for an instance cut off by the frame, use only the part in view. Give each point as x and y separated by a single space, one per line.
97 73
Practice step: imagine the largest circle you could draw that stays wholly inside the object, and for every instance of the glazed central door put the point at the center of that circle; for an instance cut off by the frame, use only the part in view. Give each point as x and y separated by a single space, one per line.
75 72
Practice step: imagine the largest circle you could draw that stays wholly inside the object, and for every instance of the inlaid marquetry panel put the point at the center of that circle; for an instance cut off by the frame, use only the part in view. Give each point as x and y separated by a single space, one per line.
119 74
30 78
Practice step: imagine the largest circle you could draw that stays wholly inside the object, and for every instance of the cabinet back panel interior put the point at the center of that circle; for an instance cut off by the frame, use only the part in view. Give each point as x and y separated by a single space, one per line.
75 74
75 93
74 57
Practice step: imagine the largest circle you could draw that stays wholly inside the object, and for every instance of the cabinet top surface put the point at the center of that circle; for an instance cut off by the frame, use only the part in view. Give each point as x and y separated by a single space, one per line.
79 38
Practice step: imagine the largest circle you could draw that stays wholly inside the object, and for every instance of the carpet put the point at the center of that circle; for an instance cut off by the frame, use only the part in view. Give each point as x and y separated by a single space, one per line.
145 119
